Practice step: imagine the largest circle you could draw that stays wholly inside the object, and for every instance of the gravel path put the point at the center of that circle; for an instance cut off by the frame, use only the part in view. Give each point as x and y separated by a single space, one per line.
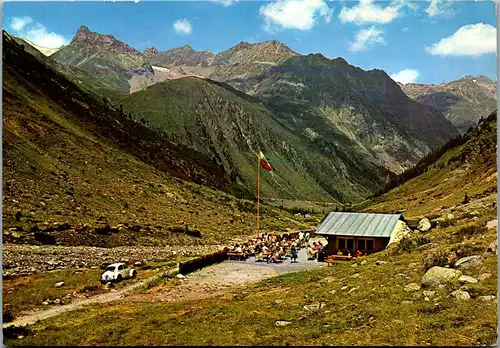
32 317
211 281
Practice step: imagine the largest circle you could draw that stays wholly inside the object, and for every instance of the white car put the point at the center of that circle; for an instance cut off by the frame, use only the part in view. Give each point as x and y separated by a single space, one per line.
116 272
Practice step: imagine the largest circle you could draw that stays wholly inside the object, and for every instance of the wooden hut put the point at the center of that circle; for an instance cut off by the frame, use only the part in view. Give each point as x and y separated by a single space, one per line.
365 232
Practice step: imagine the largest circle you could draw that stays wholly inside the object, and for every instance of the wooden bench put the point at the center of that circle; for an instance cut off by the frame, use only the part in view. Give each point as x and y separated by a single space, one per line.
338 258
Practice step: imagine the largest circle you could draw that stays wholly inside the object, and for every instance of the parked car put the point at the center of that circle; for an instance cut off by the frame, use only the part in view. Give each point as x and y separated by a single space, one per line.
116 272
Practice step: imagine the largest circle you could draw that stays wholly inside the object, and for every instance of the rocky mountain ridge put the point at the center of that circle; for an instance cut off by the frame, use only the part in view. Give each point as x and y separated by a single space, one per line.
463 101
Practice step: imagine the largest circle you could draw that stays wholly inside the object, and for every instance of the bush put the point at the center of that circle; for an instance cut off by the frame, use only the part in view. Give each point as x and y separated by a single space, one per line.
439 258
470 230
410 243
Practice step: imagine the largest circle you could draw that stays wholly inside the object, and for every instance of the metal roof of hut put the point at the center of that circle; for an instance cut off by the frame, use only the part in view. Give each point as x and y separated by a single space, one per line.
359 224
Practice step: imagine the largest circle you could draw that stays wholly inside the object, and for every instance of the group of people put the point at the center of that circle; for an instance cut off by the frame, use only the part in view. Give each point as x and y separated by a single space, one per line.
272 247
357 254
316 251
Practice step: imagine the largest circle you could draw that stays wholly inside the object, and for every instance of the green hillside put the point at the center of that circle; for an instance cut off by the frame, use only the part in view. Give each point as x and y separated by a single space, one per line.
377 302
83 170
230 127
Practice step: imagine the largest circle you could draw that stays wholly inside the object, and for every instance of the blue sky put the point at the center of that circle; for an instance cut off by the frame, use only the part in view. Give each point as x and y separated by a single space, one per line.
425 41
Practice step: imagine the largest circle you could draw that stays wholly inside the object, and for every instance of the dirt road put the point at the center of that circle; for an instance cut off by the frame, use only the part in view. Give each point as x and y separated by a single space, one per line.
215 280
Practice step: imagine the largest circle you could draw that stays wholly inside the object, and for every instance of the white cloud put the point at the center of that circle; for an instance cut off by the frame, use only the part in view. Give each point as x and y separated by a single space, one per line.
366 12
439 8
406 76
37 33
225 3
294 14
18 23
182 26
469 40
365 38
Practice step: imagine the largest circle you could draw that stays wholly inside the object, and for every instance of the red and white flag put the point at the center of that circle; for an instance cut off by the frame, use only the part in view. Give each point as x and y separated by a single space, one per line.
264 163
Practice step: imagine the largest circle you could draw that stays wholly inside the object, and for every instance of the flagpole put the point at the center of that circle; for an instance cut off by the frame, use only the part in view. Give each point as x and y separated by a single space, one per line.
258 193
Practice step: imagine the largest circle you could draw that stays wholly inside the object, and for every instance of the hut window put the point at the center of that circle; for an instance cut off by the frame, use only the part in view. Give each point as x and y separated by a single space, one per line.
341 243
369 245
350 244
362 244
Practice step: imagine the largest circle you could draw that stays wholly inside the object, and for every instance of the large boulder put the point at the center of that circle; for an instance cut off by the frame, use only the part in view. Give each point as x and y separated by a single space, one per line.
400 231
424 225
440 276
468 262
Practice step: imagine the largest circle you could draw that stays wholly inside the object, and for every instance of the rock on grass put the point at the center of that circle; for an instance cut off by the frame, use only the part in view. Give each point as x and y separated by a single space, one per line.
440 276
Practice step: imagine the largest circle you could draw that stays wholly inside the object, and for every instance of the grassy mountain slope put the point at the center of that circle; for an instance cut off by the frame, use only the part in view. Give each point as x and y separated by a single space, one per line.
327 96
364 305
78 76
69 160
227 125
107 59
469 169
463 101
317 97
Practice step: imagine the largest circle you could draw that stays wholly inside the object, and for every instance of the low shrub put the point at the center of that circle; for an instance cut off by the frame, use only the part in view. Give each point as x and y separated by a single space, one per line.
439 258
412 242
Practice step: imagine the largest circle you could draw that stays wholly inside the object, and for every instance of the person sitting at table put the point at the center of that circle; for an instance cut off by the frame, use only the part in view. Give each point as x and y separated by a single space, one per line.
358 253
340 252
311 253
349 253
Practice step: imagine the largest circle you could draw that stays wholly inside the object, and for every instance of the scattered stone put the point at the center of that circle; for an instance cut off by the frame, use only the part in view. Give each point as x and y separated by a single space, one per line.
424 225
314 307
493 247
282 323
59 284
467 279
354 265
20 337
345 287
278 302
353 289
138 264
180 276
468 262
363 262
45 303
412 287
57 301
355 275
484 276
379 263
328 280
333 292
401 275
108 285
492 224
486 298
426 299
460 295
440 276
429 293
406 302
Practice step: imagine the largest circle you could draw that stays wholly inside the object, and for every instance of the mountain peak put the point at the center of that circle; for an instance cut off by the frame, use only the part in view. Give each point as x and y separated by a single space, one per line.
150 51
84 36
242 45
